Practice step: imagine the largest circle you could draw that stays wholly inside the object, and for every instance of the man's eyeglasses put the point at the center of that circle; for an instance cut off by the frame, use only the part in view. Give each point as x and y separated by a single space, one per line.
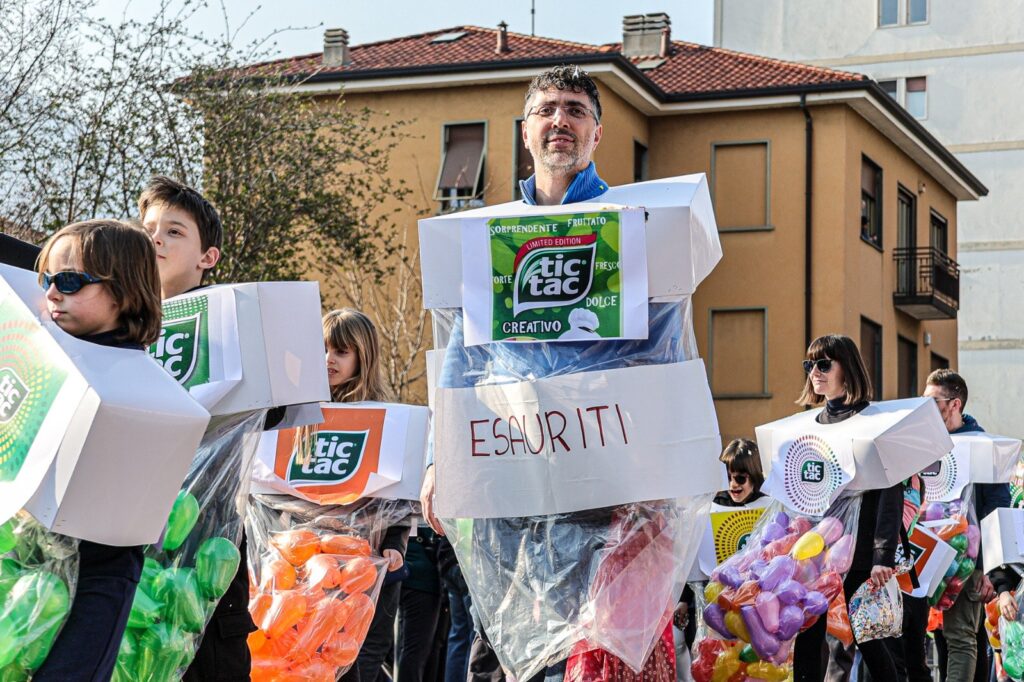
573 111
824 365
741 479
69 281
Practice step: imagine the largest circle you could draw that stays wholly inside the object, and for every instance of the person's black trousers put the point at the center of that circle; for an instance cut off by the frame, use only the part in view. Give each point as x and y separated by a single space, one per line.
417 623
86 648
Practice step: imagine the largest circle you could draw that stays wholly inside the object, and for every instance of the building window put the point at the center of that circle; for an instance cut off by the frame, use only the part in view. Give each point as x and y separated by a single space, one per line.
891 88
741 185
460 180
888 12
906 237
917 97
522 159
871 353
907 364
917 11
738 352
639 162
939 233
938 362
870 202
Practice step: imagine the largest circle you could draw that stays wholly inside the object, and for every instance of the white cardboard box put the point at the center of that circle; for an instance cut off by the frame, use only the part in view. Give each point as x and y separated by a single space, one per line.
263 341
115 442
992 457
888 441
1002 536
682 236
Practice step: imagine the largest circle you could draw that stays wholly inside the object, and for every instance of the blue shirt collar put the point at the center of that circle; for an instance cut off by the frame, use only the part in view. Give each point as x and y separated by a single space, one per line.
585 186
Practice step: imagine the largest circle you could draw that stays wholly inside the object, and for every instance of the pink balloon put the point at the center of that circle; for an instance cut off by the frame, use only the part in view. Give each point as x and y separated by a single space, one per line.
800 525
790 592
767 606
714 616
973 541
830 529
791 619
764 643
782 655
806 571
840 555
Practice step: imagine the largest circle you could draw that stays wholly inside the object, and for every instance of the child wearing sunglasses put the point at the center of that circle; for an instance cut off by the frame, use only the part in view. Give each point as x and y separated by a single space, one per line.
101 286
742 462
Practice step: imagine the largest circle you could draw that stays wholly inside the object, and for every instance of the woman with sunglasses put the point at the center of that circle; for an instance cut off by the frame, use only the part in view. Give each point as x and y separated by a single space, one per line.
743 464
836 377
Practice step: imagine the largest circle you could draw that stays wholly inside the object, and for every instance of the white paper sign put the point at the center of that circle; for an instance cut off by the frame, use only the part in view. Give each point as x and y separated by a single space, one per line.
992 458
945 480
575 442
360 450
1002 536
565 275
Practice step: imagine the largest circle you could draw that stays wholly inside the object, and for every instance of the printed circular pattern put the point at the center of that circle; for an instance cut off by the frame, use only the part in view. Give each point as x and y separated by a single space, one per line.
811 474
941 484
734 531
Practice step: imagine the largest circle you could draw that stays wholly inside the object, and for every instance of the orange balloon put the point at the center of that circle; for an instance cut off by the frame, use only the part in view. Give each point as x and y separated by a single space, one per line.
357 576
322 572
314 670
277 574
258 607
256 640
296 545
838 624
279 647
325 620
341 651
950 531
286 609
266 670
346 545
360 615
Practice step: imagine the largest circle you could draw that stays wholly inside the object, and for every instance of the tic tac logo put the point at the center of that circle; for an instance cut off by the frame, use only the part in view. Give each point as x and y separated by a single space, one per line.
553 271
334 458
811 474
13 392
177 347
812 471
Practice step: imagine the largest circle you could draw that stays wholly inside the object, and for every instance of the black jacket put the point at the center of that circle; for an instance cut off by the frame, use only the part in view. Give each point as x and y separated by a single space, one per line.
18 253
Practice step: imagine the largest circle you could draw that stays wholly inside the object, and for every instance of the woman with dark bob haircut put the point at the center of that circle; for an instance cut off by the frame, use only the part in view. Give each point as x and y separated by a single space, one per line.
837 378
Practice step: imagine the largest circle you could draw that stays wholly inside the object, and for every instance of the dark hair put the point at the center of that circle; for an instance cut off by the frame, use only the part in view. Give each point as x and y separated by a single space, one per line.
951 383
163 190
742 457
565 77
124 257
843 350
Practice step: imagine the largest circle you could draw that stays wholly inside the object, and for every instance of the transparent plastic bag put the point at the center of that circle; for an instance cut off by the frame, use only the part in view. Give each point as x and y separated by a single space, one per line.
185 576
1011 636
38 570
876 613
545 587
956 523
786 577
316 576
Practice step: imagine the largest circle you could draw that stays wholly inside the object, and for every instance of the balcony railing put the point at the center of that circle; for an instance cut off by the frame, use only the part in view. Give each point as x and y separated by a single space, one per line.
927 283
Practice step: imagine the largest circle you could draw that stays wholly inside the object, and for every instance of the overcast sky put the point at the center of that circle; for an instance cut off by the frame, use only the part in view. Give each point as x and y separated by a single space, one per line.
588 21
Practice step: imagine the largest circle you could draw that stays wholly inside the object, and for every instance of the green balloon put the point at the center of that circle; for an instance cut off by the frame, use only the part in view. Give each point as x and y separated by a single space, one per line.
124 668
37 600
10 571
151 568
13 673
965 568
937 595
748 655
1013 664
36 650
178 590
216 564
959 543
181 521
161 650
10 642
145 610
7 537
1013 635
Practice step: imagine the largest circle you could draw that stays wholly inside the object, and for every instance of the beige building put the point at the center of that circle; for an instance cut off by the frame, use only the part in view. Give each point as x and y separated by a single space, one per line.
837 210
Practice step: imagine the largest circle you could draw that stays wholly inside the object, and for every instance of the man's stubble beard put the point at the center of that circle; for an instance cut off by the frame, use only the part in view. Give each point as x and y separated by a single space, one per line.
561 161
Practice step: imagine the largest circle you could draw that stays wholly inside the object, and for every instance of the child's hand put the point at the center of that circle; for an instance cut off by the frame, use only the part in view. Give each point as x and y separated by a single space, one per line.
395 559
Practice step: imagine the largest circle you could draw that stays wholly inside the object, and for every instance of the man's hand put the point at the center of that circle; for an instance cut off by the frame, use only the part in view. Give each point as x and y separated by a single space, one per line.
986 592
427 500
681 615
1007 606
395 559
880 576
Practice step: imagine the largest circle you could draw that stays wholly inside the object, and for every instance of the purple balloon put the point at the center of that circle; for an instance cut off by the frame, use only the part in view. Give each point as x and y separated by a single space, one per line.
757 568
780 568
764 643
934 511
768 607
790 592
782 655
840 555
771 532
714 616
815 603
791 619
730 577
781 518
830 529
973 540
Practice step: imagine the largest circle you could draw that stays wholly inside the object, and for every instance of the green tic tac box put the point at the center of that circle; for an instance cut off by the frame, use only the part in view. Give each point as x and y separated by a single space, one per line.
94 441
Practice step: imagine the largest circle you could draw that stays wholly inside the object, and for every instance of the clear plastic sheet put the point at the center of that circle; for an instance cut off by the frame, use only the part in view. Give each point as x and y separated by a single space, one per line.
547 586
1010 636
956 523
38 569
185 576
789 574
315 580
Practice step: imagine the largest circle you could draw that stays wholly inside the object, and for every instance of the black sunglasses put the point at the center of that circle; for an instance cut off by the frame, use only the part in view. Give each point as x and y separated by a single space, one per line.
741 479
824 365
69 281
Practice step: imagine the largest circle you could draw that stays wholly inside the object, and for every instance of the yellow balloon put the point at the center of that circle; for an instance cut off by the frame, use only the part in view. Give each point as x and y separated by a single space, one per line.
712 590
725 668
809 545
736 626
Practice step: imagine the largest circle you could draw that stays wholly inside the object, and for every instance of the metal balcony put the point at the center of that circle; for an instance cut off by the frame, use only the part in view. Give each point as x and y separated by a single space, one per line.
927 284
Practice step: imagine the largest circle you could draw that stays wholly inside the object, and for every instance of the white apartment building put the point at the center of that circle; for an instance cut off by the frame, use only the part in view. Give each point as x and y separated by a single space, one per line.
959 68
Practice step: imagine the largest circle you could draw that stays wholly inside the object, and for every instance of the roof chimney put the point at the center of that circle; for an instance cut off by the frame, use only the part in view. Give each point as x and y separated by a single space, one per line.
502 38
646 35
336 51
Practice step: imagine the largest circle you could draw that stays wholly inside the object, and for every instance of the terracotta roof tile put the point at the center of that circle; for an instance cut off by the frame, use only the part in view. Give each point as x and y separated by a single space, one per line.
689 69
